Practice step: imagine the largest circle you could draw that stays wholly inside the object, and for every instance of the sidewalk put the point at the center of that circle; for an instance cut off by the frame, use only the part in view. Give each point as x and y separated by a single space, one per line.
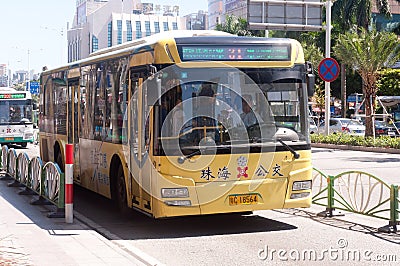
29 237
355 148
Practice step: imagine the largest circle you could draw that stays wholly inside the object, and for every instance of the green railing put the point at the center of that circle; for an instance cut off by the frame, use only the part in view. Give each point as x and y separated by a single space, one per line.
357 192
46 181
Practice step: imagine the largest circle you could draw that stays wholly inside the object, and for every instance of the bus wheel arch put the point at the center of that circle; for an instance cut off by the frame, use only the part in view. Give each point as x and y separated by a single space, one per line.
118 185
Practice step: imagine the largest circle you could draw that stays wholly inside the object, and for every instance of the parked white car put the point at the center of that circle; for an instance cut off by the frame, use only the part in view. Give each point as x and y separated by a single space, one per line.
344 125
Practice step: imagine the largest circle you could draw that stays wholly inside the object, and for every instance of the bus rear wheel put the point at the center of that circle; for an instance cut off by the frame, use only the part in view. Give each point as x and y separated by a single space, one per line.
120 194
59 161
24 144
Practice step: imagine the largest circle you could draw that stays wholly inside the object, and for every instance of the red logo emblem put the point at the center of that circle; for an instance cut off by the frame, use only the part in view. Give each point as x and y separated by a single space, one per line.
242 172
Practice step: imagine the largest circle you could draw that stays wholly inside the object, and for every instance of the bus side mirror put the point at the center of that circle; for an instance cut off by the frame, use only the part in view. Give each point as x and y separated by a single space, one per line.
310 84
154 90
310 78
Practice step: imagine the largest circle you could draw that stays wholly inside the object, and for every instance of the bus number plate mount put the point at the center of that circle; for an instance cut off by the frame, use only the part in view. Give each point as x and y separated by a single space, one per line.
244 199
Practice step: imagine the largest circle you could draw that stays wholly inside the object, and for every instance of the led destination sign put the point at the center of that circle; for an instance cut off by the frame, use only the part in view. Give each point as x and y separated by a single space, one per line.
12 95
267 52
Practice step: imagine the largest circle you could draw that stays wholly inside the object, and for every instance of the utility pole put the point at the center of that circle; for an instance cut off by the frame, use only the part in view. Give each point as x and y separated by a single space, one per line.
122 21
328 55
29 73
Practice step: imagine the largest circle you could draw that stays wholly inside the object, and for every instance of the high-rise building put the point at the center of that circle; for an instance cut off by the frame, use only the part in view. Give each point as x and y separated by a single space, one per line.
382 23
219 9
99 24
3 69
215 12
3 75
197 21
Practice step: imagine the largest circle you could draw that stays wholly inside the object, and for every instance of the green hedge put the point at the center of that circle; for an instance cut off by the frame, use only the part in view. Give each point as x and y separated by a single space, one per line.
346 139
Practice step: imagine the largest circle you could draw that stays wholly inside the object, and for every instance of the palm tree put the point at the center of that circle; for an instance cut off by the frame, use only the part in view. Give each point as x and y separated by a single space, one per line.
238 26
234 25
353 14
348 13
367 53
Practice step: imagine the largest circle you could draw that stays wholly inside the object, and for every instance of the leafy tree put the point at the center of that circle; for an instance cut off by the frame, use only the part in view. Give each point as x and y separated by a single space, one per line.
313 54
368 53
389 82
357 13
234 25
351 15
238 26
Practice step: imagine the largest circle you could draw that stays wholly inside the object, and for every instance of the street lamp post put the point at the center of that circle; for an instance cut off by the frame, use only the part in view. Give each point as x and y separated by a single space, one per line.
29 72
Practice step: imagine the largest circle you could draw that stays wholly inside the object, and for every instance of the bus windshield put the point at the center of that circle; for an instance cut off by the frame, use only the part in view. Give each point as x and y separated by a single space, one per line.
15 111
255 106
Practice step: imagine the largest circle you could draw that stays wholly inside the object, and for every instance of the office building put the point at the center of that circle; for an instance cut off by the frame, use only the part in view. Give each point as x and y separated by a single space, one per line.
197 21
382 23
100 24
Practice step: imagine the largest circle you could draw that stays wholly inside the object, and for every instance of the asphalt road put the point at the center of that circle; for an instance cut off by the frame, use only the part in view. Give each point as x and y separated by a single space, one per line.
385 166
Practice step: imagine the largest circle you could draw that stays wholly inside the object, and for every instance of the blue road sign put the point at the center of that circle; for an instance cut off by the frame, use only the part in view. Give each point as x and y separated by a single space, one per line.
34 87
328 69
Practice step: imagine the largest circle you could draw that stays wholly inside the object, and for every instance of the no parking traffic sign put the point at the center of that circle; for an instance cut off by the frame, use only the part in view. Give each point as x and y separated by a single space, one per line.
328 69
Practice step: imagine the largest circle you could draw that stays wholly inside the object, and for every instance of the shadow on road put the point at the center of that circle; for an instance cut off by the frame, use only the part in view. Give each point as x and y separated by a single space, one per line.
135 225
343 224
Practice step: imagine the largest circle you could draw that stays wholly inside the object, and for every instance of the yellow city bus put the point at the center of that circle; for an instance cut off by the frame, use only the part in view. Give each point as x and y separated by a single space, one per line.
185 123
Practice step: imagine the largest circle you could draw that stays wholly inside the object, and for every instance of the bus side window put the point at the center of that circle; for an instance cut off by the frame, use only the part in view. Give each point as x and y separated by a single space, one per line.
99 105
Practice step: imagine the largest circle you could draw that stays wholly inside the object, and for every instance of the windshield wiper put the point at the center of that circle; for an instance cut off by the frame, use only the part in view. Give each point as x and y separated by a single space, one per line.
295 154
183 158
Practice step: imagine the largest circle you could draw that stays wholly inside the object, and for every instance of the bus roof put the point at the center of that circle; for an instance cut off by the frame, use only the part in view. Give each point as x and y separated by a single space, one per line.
7 89
212 36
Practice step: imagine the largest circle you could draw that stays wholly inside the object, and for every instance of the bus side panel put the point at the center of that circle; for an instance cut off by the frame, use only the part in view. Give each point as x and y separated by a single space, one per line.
95 159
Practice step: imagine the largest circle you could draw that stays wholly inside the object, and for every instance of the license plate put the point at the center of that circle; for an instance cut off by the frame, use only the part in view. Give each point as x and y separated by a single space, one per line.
245 199
9 138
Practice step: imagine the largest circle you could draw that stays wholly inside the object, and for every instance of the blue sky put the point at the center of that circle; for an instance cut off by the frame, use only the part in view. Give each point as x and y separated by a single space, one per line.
40 27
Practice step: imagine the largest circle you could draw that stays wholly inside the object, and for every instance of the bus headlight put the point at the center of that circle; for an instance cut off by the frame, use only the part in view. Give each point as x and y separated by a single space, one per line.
178 202
299 195
301 185
28 135
175 192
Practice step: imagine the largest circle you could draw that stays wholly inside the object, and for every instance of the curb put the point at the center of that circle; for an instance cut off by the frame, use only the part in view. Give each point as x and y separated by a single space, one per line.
117 242
356 148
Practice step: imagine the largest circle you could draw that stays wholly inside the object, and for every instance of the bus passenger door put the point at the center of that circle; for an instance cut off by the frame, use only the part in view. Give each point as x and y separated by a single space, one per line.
139 163
73 121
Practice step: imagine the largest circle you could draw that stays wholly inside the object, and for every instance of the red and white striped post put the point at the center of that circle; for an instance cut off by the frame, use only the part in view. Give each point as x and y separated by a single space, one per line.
69 183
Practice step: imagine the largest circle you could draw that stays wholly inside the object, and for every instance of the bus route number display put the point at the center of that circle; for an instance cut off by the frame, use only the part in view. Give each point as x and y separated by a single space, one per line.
12 95
235 53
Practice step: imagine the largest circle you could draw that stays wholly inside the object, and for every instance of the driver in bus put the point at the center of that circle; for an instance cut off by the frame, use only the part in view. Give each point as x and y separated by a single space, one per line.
15 114
248 116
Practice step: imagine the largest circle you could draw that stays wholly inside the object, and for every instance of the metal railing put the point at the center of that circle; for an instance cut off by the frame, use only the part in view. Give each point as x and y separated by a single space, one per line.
357 192
46 181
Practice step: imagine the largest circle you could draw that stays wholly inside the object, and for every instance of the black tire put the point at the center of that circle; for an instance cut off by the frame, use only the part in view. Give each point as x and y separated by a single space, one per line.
120 195
24 144
59 161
